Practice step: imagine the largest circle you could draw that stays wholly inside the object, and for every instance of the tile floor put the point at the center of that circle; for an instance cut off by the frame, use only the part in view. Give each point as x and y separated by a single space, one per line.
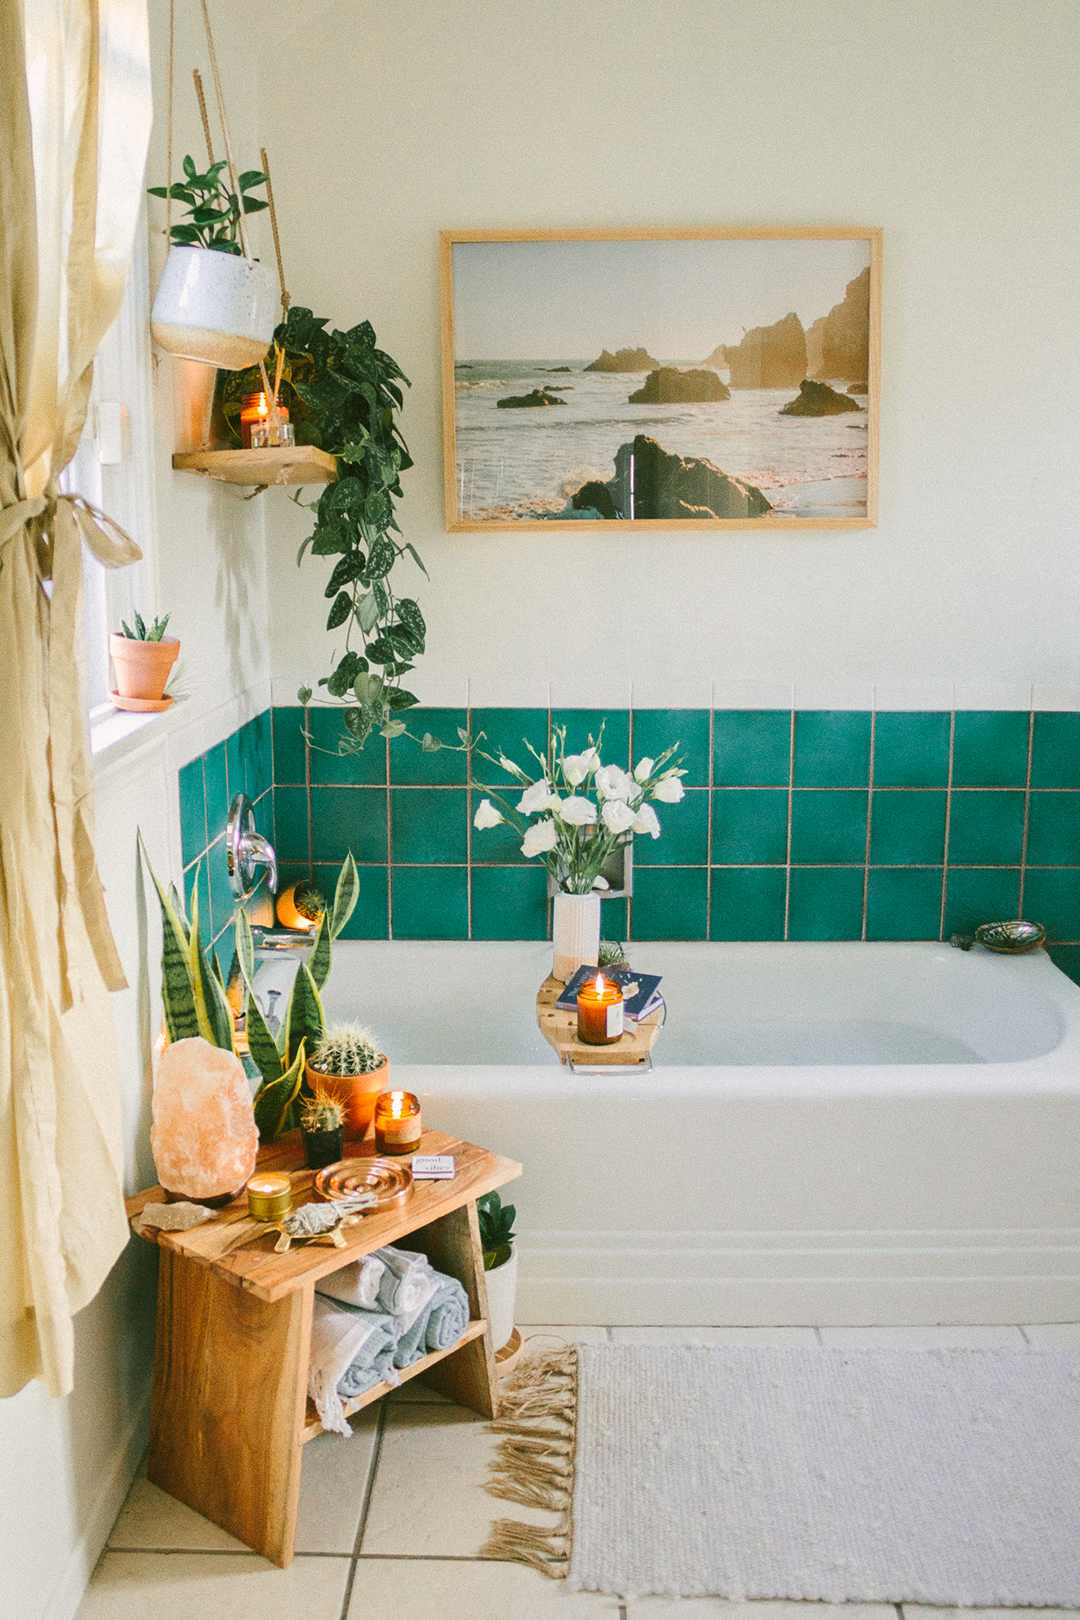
391 1520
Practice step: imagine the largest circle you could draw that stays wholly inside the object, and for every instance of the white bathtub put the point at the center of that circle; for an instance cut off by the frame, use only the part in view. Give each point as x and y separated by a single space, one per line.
832 1133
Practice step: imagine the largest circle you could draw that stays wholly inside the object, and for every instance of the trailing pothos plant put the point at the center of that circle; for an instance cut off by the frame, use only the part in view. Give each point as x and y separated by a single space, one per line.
349 395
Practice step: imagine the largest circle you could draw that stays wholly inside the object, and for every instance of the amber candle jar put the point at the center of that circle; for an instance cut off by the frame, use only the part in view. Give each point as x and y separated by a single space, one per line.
599 1012
254 412
397 1122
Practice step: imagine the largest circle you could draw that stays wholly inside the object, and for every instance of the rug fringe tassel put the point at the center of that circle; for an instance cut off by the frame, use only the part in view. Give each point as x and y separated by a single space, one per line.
534 1463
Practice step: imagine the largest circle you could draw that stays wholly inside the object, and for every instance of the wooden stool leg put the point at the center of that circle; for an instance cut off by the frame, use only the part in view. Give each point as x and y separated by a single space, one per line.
452 1244
230 1379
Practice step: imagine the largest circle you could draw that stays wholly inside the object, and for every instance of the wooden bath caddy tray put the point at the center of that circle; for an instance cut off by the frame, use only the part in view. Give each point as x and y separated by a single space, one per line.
559 1029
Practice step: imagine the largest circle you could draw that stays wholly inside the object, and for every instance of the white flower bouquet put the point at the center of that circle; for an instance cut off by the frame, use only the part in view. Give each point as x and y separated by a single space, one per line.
578 809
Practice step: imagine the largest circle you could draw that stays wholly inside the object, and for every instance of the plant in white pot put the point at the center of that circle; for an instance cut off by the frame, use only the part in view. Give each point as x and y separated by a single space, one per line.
214 302
574 814
500 1265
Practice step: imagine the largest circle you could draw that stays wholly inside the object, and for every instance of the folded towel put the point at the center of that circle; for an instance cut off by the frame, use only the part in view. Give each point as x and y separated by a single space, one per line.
341 1337
438 1325
357 1284
406 1284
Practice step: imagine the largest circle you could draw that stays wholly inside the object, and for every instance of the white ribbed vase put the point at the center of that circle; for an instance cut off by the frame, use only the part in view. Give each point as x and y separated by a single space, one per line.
575 933
215 307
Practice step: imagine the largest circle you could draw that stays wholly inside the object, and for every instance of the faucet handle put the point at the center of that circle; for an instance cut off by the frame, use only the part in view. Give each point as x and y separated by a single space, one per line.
246 849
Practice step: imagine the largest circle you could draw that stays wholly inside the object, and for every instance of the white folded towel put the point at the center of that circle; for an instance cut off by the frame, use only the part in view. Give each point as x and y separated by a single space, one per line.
407 1286
357 1284
337 1338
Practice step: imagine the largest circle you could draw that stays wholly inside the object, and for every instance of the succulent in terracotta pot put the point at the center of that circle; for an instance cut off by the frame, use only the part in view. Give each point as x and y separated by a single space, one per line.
143 659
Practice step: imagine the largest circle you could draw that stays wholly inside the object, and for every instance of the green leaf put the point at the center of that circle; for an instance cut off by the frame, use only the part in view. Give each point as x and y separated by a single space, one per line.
249 178
349 568
254 205
393 728
319 960
381 650
415 555
303 695
340 611
181 1019
211 1008
381 559
430 744
304 1020
274 1099
328 539
397 699
261 1043
412 618
349 668
369 689
358 722
345 895
245 946
367 612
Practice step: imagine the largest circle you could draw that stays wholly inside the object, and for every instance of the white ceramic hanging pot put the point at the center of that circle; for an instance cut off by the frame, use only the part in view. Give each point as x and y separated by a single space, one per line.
575 933
501 1284
216 307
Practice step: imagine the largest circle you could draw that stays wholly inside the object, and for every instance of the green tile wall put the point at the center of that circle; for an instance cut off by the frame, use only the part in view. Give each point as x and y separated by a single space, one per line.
817 824
208 785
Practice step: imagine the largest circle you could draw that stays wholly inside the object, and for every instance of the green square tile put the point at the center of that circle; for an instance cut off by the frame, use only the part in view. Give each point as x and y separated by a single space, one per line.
1054 830
670 903
334 755
447 765
975 895
370 918
832 748
750 825
613 923
431 902
291 841
907 829
990 749
1053 899
1055 751
217 792
748 902
290 750
684 834
506 732
192 810
248 757
903 903
657 729
509 902
429 825
581 724
751 747
911 750
826 903
1067 958
828 827
986 829
201 871
344 819
222 902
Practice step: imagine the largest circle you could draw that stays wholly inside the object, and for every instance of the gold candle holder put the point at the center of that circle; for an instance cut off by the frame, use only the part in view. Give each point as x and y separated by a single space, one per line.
397 1122
269 1197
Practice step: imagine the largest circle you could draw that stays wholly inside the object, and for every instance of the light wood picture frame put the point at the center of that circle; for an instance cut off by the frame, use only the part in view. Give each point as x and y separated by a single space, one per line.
698 378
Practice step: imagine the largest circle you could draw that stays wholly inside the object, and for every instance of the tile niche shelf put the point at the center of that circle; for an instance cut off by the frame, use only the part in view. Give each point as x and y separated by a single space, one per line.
284 464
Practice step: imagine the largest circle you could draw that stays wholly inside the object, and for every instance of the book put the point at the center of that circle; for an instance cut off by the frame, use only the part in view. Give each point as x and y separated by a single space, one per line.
641 991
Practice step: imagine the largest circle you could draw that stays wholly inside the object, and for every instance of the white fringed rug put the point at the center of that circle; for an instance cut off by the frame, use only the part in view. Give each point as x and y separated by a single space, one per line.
944 1477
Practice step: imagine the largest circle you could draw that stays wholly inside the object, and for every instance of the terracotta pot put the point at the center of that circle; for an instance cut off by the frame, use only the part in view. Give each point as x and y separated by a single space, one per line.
355 1092
142 667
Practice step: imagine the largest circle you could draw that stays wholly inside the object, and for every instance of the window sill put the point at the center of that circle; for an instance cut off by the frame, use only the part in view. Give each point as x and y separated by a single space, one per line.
115 733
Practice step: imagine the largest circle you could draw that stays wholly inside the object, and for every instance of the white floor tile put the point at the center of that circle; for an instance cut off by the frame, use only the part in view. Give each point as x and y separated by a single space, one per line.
728 1338
924 1338
1054 1335
419 1394
662 1608
420 1589
150 1519
333 1484
919 1611
429 1496
212 1586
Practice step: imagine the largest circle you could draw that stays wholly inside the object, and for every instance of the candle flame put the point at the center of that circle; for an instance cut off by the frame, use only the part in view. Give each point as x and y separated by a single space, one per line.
598 984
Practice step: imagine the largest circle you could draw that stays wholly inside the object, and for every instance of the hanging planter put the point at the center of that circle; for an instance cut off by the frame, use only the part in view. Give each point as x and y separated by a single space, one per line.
215 307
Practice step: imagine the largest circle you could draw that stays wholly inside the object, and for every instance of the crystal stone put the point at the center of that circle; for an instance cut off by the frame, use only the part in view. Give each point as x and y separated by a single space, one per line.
203 1134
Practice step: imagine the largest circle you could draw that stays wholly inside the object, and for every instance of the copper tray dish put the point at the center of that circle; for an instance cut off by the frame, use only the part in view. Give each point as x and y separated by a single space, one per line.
389 1179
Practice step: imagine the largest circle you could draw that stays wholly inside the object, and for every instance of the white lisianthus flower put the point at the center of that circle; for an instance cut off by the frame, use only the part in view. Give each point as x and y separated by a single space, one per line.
486 815
537 797
576 767
647 821
540 837
644 769
577 812
511 769
617 816
669 790
601 883
613 783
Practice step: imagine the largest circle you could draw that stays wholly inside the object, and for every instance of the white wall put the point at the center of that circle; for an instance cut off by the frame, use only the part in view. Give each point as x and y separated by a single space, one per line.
65 1465
949 124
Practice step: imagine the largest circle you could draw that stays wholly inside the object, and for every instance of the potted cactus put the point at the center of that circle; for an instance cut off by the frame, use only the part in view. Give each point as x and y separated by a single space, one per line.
500 1265
348 1065
322 1129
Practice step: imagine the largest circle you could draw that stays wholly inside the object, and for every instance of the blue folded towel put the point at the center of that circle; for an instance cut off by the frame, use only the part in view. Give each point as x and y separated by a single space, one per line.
439 1325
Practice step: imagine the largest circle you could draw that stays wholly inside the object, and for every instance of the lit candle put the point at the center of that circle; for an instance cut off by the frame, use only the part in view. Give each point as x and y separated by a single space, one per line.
397 1122
599 1012
269 1197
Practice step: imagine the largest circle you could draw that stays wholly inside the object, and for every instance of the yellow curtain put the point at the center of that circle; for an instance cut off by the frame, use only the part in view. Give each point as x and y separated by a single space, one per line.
75 115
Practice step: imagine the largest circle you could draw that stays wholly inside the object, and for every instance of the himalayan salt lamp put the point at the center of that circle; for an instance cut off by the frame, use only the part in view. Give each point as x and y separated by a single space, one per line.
203 1133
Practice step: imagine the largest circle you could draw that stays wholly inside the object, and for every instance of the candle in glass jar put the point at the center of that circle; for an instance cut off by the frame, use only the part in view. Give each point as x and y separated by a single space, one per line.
397 1122
269 1197
599 1012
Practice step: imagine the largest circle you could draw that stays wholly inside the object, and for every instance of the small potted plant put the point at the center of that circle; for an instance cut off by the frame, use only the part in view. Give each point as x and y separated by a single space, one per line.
500 1265
143 659
348 1065
322 1128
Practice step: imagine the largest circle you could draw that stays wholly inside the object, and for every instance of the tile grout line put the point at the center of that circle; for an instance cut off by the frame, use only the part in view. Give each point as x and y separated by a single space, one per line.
1022 1334
361 1527
869 823
629 767
468 818
307 793
1027 815
790 804
709 827
948 822
389 850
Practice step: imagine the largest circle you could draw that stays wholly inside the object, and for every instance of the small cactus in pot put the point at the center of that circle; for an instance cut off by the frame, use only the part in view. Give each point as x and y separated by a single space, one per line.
348 1066
322 1128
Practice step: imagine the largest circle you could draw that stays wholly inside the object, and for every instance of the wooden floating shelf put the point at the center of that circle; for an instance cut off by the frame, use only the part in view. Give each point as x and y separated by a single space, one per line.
284 464
312 1426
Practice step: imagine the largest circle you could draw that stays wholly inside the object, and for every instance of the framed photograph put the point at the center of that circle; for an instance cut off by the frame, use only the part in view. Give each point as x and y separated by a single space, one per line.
707 378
